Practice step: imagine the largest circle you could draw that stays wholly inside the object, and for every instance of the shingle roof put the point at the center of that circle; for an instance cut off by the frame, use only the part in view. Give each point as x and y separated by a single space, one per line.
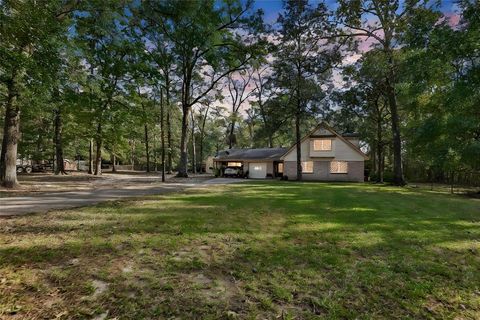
350 135
326 126
273 154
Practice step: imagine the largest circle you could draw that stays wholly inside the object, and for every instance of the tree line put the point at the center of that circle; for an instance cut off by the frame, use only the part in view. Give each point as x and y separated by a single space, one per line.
163 83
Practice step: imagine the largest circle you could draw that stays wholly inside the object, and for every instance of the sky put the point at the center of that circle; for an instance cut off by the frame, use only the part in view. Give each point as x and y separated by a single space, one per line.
273 7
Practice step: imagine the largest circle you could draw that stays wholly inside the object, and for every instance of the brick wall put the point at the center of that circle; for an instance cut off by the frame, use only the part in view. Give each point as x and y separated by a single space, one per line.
321 171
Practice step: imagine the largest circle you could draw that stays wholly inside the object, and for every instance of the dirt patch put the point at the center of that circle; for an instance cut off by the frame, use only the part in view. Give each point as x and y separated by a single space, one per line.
127 269
203 253
197 178
100 287
214 287
101 316
81 181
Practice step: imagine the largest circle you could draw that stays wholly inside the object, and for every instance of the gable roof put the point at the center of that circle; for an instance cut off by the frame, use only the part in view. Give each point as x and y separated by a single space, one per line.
324 125
272 154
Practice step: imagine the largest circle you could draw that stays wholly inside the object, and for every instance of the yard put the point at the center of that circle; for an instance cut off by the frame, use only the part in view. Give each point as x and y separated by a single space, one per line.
260 250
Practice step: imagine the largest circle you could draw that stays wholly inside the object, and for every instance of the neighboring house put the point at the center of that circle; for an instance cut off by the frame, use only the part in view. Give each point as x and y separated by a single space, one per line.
325 154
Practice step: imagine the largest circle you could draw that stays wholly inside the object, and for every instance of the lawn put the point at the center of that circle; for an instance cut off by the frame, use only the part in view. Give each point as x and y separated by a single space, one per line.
277 250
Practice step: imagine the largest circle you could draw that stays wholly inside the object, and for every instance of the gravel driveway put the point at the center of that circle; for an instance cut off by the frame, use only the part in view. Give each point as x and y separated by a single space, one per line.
43 202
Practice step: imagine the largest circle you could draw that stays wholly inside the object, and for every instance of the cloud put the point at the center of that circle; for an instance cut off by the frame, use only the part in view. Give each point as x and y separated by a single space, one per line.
453 19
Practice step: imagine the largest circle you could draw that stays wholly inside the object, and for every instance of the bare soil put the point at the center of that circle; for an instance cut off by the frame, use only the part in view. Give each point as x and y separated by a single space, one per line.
80 181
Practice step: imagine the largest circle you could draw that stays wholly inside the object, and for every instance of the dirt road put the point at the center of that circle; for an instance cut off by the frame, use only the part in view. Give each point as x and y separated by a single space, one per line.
113 188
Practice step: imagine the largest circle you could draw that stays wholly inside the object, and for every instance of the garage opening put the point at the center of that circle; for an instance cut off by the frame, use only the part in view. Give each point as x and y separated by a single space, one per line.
257 170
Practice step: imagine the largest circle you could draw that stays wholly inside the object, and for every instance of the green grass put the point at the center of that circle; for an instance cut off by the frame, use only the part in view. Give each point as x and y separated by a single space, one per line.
278 250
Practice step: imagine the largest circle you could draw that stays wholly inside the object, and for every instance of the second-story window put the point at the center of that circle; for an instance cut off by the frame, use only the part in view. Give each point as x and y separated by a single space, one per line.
322 145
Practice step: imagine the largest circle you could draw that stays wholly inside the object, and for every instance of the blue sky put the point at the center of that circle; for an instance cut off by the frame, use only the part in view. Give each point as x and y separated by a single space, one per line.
273 7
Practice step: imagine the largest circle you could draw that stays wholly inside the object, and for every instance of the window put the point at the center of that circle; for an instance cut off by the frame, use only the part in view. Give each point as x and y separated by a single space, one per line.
280 168
234 164
322 145
307 166
338 167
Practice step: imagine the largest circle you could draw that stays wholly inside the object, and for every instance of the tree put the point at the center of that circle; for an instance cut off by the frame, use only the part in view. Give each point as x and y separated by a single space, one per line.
307 51
28 45
386 23
206 47
194 149
364 107
63 93
162 128
157 59
203 114
263 93
105 48
239 89
440 81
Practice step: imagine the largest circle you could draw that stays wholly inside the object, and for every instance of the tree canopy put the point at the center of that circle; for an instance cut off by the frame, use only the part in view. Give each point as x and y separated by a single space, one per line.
162 85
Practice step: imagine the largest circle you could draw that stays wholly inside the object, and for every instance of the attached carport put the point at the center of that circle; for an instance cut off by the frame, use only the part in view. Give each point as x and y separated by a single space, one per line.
258 163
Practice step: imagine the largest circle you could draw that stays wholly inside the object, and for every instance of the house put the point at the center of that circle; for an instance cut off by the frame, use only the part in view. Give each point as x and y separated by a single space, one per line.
325 155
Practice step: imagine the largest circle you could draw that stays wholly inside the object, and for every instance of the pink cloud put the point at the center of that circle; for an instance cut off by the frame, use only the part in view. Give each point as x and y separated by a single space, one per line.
365 43
453 19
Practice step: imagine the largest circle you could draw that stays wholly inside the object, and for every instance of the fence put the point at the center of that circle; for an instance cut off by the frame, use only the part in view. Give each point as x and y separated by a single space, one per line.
455 181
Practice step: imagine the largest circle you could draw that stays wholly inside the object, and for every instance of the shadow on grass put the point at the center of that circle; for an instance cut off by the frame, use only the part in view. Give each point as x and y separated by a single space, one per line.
337 250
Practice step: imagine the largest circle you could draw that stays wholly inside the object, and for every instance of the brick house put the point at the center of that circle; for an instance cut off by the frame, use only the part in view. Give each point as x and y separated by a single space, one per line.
325 155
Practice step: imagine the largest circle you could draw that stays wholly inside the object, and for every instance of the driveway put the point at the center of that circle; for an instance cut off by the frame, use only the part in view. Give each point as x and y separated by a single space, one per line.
43 202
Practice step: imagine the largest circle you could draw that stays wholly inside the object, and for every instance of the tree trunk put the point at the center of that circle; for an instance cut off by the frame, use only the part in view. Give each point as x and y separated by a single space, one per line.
155 158
264 118
398 178
169 125
380 155
98 156
194 154
201 153
231 136
60 167
90 158
11 135
182 168
162 134
132 153
267 126
114 160
373 153
202 137
147 150
380 165
2 157
169 142
298 146
452 182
